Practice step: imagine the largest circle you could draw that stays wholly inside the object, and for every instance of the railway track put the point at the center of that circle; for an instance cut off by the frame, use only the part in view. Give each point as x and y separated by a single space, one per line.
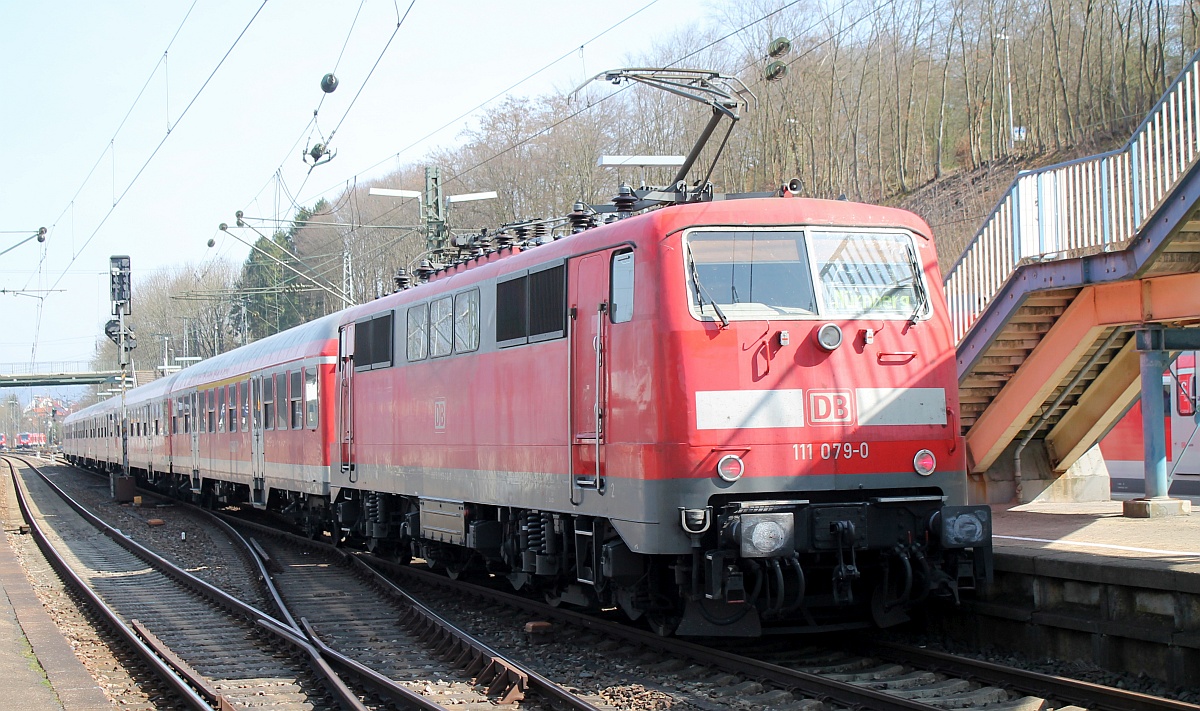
782 673
770 673
388 642
356 610
214 651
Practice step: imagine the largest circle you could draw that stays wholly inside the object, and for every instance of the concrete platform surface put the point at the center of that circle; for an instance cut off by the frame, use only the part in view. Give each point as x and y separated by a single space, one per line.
1099 534
38 667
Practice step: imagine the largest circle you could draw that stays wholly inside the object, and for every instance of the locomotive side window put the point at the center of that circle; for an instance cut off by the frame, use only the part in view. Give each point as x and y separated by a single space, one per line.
441 327
466 321
621 298
296 398
373 342
548 303
532 307
418 332
512 326
310 397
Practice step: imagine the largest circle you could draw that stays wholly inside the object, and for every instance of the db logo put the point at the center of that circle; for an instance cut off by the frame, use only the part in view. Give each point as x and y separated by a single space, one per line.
830 407
439 415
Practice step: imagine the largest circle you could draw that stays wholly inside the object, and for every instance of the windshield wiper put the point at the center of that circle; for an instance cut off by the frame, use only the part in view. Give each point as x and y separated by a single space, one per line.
918 284
701 292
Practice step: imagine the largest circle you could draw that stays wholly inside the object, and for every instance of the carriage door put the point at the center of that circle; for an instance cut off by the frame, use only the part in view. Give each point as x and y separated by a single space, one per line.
588 313
194 436
258 452
345 402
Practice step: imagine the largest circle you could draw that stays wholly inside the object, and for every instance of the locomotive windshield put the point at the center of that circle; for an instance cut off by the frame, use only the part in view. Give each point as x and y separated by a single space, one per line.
764 274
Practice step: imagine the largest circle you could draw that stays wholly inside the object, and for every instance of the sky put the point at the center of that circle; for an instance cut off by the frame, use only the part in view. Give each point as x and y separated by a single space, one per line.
107 172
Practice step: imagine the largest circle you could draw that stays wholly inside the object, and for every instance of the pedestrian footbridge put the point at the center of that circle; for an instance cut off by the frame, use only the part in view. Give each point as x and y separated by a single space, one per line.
1048 301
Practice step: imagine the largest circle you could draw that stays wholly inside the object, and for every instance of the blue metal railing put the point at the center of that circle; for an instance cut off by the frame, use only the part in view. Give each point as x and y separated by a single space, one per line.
1080 207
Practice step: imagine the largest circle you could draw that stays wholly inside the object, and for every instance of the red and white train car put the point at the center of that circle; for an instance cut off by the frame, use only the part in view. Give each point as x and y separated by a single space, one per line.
720 416
1122 447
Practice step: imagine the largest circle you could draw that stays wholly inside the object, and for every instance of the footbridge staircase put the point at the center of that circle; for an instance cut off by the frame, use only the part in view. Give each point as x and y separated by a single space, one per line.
1073 263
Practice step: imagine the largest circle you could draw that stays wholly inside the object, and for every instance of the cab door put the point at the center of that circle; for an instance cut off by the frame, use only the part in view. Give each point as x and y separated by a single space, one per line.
588 312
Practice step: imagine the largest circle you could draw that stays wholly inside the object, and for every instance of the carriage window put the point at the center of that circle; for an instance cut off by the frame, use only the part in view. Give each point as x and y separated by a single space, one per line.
281 411
268 402
418 332
310 397
232 410
211 410
243 403
621 298
466 321
441 331
221 409
296 399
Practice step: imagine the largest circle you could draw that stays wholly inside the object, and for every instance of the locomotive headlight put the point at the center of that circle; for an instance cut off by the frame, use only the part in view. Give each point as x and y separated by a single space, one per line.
731 467
829 336
965 526
924 462
767 535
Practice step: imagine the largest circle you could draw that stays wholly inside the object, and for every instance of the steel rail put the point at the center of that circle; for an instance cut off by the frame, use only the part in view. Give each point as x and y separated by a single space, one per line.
489 663
294 632
333 683
1093 696
203 699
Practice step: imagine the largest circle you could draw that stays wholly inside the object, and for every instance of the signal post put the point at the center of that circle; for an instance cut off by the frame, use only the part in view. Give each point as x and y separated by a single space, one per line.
120 291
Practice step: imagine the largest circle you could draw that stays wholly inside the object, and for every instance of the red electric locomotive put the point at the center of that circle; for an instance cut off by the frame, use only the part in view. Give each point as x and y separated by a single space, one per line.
720 416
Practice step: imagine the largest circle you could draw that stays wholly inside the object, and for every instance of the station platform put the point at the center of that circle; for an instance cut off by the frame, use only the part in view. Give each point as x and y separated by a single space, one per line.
38 665
1081 582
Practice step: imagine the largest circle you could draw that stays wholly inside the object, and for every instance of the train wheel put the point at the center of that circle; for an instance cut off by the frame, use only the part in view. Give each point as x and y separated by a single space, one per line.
663 624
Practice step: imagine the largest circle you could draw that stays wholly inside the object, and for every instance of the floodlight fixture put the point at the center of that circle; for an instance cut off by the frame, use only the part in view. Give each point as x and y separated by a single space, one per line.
389 192
468 197
640 161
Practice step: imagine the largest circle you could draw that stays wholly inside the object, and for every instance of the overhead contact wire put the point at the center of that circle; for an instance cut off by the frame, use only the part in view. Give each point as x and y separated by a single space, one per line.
160 144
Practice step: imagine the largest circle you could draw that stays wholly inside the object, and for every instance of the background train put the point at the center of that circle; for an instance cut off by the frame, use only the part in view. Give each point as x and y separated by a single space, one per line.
1122 446
30 440
721 417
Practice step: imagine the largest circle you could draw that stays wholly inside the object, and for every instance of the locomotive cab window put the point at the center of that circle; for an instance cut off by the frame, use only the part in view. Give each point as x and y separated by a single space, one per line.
749 275
621 296
758 274
869 274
